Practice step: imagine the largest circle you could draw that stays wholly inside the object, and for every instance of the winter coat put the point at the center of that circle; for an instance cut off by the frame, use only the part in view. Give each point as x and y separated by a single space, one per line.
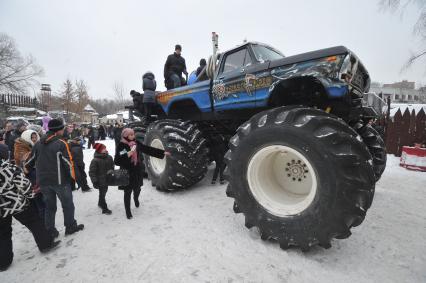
175 64
135 171
77 154
75 133
9 140
100 165
149 86
117 134
53 159
21 152
15 195
4 152
204 76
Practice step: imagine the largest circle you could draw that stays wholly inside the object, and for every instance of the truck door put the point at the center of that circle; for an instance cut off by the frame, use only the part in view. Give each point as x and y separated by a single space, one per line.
229 91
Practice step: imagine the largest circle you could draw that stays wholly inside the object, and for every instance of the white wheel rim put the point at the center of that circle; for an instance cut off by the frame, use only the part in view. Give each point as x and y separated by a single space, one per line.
157 165
282 180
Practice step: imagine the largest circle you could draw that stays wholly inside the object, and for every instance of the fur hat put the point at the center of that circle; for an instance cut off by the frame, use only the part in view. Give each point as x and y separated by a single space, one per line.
26 136
55 125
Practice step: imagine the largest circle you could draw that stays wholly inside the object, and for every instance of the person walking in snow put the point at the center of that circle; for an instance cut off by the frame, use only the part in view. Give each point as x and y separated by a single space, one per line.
55 171
15 195
101 163
127 156
23 148
79 166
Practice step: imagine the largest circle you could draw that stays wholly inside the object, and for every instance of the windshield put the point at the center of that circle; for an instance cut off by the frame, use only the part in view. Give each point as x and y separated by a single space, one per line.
264 53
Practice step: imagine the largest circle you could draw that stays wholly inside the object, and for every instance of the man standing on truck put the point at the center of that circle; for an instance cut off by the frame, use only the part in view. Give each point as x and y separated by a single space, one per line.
173 69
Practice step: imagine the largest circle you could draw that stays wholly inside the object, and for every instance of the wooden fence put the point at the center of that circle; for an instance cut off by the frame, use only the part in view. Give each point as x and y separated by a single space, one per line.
18 100
404 129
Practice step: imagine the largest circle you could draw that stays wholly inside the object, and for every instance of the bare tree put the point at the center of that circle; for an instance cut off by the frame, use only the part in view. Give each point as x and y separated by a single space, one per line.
17 73
67 94
119 93
419 28
81 95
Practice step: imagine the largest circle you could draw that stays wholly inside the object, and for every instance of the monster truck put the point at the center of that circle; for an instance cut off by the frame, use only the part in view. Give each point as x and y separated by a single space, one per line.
302 160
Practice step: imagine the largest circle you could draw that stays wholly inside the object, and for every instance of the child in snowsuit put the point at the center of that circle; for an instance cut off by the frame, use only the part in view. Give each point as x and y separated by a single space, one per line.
102 162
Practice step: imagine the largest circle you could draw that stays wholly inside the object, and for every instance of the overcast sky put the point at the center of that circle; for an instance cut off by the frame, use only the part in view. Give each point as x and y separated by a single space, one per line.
105 41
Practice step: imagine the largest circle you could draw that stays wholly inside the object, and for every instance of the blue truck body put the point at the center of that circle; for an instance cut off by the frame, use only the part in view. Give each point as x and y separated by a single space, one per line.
251 85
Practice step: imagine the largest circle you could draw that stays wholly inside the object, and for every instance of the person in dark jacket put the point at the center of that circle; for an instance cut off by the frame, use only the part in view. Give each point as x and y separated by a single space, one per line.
149 86
9 137
218 149
202 76
102 132
15 203
101 163
55 171
173 68
79 166
91 137
12 135
76 132
127 157
117 134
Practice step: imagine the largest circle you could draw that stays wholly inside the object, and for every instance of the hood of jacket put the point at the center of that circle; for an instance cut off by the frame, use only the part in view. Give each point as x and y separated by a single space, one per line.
20 142
49 137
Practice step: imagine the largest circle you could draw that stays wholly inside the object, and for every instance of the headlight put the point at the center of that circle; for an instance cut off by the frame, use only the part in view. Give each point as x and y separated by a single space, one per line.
345 73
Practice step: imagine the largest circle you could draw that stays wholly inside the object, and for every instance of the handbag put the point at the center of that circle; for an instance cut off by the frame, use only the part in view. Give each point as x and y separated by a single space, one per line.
118 177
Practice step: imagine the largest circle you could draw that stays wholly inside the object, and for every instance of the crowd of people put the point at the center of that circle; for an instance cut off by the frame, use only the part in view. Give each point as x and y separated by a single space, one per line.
40 164
38 167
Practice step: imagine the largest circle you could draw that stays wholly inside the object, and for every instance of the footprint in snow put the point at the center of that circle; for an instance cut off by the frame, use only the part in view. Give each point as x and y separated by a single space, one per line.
62 263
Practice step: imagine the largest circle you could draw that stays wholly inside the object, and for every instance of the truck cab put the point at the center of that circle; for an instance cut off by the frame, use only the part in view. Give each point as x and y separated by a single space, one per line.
255 76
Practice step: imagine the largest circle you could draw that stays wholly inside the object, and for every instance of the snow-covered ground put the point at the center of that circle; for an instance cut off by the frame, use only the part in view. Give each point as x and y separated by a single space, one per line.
194 236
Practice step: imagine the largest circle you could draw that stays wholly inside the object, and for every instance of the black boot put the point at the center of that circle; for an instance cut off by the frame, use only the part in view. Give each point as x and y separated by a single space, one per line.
74 229
54 233
52 247
106 211
136 202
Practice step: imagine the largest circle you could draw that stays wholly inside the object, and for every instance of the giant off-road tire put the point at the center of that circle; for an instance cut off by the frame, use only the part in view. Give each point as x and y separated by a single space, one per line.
188 160
373 140
300 175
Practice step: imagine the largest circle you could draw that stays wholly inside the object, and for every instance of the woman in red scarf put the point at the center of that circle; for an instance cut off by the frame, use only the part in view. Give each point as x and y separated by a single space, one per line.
127 157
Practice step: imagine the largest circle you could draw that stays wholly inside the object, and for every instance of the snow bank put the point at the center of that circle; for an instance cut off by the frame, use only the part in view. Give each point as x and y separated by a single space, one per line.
195 236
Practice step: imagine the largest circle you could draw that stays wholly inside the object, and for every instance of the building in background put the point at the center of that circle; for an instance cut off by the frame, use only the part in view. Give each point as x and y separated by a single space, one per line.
400 92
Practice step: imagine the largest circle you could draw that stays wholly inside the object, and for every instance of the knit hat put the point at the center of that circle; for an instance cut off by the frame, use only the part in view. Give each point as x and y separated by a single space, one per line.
99 147
55 125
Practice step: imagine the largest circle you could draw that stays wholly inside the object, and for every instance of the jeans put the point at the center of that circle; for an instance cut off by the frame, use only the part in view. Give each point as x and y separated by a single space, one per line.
64 193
